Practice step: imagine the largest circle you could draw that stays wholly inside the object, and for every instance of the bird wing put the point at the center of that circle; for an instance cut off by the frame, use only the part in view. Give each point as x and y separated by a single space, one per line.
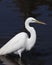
14 44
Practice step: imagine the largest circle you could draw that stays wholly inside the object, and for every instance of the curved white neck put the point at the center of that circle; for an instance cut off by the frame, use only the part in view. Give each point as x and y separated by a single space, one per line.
32 32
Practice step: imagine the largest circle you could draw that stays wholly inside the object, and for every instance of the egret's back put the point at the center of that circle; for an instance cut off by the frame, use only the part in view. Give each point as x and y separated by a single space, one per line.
16 43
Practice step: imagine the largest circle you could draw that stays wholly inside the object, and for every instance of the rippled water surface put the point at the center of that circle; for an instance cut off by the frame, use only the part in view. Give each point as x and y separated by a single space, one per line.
12 16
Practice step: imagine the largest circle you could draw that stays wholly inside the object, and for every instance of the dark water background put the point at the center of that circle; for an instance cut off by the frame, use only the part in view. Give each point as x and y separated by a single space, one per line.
12 16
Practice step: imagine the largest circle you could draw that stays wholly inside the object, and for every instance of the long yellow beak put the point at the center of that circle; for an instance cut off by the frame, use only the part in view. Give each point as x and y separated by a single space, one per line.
40 22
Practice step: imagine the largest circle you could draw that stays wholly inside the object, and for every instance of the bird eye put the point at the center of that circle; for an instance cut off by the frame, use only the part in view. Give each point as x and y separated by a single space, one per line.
33 20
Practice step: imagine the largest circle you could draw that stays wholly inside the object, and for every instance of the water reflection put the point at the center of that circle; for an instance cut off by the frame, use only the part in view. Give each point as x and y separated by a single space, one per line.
7 61
27 6
0 0
14 60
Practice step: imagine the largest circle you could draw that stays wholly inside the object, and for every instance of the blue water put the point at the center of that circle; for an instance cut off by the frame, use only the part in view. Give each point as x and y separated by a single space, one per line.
12 16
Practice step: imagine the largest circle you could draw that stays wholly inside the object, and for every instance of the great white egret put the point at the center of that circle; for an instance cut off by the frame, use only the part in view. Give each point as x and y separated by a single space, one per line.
21 41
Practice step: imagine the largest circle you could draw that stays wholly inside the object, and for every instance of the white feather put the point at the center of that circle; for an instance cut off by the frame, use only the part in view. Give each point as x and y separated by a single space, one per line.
21 41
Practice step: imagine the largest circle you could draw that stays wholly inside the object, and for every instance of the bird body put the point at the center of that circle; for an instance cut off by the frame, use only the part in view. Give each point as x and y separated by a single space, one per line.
21 41
15 44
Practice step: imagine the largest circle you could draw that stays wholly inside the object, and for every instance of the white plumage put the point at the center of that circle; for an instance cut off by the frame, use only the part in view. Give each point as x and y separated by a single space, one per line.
21 41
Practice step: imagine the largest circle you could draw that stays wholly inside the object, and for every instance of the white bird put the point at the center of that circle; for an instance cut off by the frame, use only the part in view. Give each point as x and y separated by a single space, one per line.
21 41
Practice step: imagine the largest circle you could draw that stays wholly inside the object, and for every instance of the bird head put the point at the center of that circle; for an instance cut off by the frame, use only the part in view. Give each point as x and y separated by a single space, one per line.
33 20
